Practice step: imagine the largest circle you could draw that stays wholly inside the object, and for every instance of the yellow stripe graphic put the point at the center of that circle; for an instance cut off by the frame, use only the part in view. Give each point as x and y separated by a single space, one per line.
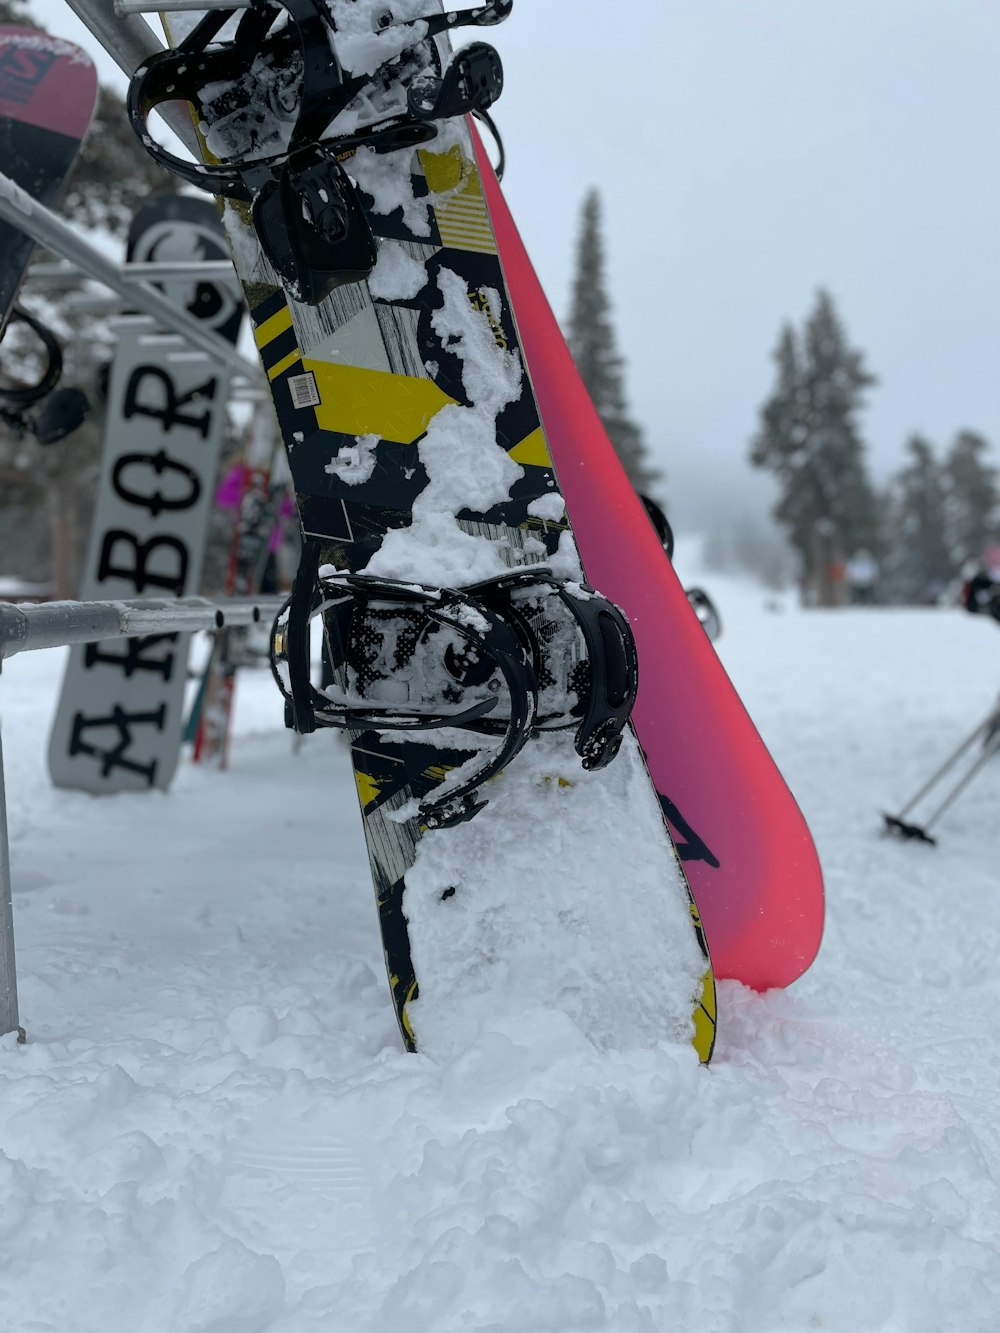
356 401
405 1017
705 1018
533 451
444 171
368 789
280 366
460 240
269 330
461 216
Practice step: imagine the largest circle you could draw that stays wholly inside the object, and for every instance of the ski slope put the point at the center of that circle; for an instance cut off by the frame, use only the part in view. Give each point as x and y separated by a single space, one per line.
213 1128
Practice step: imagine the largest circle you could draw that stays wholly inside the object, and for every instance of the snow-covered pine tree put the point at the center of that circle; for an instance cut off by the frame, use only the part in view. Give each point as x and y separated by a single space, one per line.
917 565
809 438
972 504
591 339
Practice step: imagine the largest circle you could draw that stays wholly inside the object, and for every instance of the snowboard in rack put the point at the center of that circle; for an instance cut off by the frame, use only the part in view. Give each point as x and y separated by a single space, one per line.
48 92
119 722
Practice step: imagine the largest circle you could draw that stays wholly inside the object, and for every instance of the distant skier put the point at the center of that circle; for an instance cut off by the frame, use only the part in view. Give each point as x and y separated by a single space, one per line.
861 573
981 595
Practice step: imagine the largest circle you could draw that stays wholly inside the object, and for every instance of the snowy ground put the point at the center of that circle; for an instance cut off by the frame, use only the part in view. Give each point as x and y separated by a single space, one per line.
213 1129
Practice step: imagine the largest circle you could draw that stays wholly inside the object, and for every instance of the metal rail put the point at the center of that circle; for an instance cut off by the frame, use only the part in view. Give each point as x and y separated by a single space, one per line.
45 227
125 8
8 973
129 41
31 626
208 270
28 626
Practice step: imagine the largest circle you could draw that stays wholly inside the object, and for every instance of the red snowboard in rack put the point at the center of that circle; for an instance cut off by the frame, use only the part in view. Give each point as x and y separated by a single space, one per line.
48 91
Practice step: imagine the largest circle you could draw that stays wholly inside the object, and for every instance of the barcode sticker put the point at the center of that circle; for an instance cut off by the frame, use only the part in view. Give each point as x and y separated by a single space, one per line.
303 390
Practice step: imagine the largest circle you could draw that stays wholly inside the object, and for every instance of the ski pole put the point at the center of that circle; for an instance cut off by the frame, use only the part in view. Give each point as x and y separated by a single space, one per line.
989 729
987 754
950 762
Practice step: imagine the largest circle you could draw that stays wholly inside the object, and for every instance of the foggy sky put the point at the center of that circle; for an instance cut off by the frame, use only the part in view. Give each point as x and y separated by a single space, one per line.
747 152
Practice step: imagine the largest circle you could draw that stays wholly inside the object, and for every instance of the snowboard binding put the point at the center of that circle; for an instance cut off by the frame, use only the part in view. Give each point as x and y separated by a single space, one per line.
58 412
507 658
266 101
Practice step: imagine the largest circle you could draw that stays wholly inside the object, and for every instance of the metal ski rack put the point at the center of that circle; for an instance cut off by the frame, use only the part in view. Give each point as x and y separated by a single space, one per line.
988 733
209 270
24 628
129 40
19 209
125 8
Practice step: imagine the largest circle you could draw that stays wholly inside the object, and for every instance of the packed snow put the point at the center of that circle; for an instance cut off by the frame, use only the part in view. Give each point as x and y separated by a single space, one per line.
213 1128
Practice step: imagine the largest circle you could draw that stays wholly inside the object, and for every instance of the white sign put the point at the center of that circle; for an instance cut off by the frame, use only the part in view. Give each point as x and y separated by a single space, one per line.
120 716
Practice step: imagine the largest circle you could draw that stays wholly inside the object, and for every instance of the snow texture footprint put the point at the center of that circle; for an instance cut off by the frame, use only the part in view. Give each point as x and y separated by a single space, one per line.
288 1185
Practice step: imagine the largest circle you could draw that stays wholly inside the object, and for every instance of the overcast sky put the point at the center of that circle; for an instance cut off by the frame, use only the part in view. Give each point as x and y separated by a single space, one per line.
747 152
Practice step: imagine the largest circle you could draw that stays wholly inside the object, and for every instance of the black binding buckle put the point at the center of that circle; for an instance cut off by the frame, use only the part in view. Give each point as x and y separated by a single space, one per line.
614 675
609 681
59 411
312 227
472 82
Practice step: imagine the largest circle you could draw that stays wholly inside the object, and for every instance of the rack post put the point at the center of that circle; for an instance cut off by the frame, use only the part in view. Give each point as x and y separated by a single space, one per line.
8 973
51 624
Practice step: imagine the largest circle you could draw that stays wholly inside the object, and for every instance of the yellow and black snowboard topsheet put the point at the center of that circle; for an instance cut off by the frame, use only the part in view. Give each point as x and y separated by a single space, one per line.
364 384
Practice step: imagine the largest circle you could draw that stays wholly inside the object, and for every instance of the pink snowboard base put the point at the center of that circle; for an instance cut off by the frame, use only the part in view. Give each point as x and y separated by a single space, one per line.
747 851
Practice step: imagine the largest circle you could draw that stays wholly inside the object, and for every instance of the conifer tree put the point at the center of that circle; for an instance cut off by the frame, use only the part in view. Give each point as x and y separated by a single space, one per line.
591 339
917 565
809 438
971 506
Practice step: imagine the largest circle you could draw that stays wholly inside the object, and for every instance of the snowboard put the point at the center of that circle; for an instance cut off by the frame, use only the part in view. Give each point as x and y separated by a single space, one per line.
520 858
255 494
120 717
746 848
48 91
177 229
